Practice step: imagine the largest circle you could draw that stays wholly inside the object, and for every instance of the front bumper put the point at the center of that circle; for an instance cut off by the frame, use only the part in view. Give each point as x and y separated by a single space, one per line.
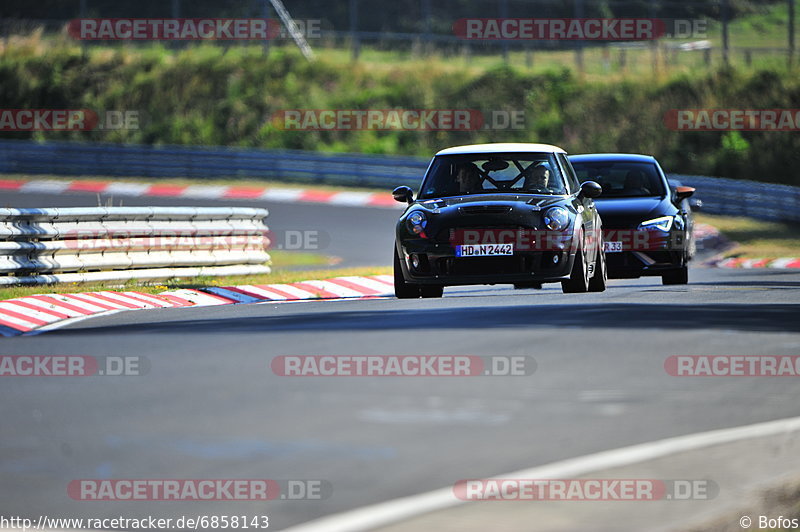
645 253
438 265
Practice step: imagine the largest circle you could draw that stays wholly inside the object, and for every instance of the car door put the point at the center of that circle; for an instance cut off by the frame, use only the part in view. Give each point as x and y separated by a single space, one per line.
585 207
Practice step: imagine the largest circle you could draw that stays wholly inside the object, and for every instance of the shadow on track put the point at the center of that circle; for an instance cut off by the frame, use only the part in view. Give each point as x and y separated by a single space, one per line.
742 317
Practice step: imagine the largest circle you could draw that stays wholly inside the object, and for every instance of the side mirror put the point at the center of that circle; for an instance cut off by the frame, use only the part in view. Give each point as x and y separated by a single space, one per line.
590 189
682 193
403 195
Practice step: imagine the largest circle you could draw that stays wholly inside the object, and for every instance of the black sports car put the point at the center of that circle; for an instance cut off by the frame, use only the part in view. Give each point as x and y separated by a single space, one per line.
647 223
499 213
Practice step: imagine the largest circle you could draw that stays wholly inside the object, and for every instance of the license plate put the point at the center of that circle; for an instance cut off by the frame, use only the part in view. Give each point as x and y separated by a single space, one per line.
612 247
484 250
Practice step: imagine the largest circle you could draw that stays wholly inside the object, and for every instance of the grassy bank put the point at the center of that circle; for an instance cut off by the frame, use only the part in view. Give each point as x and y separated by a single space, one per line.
212 95
756 239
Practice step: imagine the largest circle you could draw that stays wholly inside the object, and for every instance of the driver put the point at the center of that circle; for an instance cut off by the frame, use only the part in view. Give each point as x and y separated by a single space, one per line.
468 178
538 178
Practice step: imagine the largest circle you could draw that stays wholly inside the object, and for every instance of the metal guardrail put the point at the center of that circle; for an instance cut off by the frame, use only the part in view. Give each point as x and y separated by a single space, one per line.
719 195
126 160
43 246
738 197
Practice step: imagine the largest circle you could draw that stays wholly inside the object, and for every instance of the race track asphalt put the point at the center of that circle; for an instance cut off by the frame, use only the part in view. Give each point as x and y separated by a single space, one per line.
211 407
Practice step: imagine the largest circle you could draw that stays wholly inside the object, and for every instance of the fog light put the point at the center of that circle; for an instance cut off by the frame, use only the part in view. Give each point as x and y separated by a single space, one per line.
415 261
555 259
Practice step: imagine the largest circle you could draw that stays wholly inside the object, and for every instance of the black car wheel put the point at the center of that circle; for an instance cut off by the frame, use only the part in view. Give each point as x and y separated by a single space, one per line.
403 289
578 281
599 280
679 276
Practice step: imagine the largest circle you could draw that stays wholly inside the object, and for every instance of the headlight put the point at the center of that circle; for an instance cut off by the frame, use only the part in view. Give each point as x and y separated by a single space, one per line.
556 219
416 222
663 223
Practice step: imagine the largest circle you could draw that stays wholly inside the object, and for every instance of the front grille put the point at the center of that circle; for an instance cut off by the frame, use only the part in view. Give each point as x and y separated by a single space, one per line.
484 209
446 234
485 265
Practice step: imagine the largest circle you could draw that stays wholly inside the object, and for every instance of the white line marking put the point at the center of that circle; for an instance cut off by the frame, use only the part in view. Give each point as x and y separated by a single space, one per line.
385 513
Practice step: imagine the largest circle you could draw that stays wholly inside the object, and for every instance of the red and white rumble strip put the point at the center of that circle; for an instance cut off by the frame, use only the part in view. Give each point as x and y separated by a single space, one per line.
125 188
31 313
786 262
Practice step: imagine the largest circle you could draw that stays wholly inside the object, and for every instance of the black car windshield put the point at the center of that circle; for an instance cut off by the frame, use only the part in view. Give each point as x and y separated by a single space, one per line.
622 179
492 173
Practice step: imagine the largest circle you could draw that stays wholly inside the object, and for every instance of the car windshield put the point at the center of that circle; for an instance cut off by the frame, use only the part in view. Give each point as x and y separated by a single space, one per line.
622 179
482 173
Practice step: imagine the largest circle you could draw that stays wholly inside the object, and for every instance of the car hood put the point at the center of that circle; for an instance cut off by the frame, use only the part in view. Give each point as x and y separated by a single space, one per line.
626 212
477 200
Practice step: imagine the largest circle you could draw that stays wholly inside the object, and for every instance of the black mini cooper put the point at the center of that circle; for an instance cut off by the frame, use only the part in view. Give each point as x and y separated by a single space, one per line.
499 213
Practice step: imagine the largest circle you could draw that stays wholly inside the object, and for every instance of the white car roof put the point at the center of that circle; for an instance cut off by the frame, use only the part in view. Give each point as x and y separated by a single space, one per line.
501 147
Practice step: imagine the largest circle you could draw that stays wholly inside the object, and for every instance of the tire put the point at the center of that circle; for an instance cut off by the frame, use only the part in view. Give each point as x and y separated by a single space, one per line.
673 277
578 282
523 286
403 289
599 280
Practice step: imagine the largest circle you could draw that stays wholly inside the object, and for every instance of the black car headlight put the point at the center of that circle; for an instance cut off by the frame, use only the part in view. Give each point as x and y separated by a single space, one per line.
556 218
416 222
662 223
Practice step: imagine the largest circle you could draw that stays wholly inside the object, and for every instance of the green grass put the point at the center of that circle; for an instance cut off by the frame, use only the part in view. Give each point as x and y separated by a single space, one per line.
756 239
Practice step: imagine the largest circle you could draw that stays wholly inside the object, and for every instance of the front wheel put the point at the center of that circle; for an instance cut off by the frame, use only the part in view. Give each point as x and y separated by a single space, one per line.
405 290
599 280
578 281
679 276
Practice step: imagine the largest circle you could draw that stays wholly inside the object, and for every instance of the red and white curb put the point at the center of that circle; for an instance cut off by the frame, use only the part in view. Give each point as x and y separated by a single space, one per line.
124 188
783 263
32 314
707 233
